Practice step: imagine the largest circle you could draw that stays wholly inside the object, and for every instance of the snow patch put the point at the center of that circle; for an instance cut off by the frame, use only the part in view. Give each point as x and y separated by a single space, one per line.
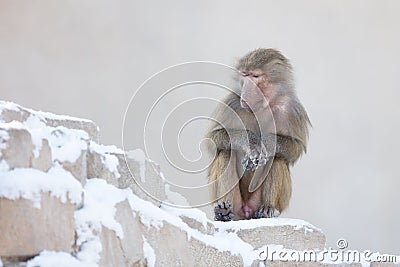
110 161
3 165
3 136
89 253
105 149
149 214
30 183
149 254
192 213
98 211
99 207
54 259
13 125
38 131
52 116
67 144
6 105
9 105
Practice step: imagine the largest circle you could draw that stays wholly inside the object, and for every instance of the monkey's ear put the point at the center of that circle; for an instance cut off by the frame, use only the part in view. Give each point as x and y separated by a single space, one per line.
259 176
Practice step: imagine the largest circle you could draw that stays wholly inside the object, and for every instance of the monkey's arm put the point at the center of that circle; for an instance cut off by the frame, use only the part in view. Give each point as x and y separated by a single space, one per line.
252 150
235 139
287 147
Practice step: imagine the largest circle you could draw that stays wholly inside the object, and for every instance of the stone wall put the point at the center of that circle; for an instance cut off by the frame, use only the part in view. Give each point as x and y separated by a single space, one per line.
66 200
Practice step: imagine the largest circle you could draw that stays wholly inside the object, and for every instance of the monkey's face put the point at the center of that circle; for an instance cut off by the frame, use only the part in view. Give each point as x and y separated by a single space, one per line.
255 89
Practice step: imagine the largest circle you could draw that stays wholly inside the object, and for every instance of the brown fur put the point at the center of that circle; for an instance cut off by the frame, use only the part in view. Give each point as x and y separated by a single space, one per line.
279 123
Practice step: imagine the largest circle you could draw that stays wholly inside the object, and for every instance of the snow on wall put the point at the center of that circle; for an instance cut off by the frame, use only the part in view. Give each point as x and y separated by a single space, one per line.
152 216
66 144
149 253
100 198
30 183
6 105
56 259
108 159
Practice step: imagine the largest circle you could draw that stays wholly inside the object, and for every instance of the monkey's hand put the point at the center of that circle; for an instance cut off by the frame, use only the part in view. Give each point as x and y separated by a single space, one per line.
223 212
256 156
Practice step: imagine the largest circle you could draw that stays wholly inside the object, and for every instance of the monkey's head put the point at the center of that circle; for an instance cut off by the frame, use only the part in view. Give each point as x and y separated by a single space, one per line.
265 74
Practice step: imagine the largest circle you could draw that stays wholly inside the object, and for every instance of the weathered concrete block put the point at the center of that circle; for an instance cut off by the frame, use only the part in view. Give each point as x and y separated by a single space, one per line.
204 255
208 229
26 230
170 245
97 167
132 243
73 123
128 172
69 149
146 234
44 161
126 251
78 168
291 237
10 111
144 176
112 253
16 148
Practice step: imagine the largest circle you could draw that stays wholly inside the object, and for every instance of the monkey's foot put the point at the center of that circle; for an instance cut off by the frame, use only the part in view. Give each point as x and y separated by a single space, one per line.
223 212
266 212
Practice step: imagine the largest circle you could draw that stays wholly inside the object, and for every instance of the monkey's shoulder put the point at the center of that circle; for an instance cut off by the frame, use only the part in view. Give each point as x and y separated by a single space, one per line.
291 118
289 108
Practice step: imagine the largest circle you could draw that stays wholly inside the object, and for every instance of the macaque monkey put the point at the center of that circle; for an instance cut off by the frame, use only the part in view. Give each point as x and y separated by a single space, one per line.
258 131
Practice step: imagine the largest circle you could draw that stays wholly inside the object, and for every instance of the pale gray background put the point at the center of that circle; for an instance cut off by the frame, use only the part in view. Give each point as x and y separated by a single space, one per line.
86 58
